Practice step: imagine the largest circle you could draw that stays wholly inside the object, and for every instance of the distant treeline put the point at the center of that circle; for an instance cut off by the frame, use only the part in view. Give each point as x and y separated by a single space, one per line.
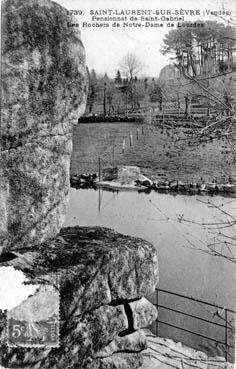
202 72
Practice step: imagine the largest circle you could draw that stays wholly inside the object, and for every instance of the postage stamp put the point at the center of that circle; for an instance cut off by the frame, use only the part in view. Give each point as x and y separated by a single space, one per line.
35 322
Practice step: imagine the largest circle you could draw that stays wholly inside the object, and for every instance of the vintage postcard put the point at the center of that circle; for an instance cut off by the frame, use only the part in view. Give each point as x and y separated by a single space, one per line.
118 184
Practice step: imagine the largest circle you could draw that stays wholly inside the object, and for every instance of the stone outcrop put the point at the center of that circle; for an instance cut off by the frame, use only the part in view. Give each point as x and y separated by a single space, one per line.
133 342
44 87
103 277
124 177
165 353
124 174
143 312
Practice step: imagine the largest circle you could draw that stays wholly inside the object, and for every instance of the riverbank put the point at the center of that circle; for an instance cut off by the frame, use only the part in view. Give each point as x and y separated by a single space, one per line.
111 180
163 154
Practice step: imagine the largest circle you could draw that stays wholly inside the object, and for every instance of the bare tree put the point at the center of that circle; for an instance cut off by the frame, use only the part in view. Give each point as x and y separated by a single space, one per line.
131 66
222 232
205 60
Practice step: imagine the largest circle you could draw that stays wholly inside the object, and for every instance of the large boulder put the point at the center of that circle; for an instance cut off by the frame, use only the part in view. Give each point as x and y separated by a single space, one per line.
143 312
125 176
99 276
103 276
134 342
97 266
44 88
120 360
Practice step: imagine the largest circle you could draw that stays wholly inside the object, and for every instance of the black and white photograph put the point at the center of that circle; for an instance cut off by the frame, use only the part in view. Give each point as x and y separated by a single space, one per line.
118 184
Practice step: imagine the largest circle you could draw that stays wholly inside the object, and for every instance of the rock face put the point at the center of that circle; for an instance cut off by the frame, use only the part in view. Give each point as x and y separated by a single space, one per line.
144 313
43 93
165 353
103 277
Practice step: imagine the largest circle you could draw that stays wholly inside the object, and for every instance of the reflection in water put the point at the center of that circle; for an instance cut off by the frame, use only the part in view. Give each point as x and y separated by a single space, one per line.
184 270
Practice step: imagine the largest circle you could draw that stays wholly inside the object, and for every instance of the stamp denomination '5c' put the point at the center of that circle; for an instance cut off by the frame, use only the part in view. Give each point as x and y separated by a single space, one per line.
35 322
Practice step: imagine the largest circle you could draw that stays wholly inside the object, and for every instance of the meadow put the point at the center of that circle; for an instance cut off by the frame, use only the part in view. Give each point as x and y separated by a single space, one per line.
161 153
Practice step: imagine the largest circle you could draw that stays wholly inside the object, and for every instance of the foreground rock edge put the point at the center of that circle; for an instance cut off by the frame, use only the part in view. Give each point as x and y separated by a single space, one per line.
103 277
163 353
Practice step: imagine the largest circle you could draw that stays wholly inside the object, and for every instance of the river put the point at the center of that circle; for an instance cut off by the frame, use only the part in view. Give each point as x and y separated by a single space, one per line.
183 268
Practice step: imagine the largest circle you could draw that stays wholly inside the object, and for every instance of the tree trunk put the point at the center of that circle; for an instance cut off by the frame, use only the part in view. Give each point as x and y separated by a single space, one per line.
187 105
104 102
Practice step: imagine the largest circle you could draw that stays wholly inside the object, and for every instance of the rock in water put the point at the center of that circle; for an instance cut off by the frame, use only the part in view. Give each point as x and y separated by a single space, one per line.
43 93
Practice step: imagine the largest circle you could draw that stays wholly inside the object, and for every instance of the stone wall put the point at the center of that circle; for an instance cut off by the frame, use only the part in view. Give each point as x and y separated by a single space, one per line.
44 87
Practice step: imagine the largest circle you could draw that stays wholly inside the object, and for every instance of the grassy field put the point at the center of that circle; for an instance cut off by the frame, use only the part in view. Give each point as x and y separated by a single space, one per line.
158 152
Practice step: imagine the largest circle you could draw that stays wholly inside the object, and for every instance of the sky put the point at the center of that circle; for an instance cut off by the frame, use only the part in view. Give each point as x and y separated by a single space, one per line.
105 47
14 291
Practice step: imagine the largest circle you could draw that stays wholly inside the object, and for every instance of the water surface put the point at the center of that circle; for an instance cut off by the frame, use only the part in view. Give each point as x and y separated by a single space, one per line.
183 268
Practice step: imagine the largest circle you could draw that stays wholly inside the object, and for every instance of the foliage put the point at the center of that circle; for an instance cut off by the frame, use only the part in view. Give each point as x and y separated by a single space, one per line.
118 79
115 96
202 50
